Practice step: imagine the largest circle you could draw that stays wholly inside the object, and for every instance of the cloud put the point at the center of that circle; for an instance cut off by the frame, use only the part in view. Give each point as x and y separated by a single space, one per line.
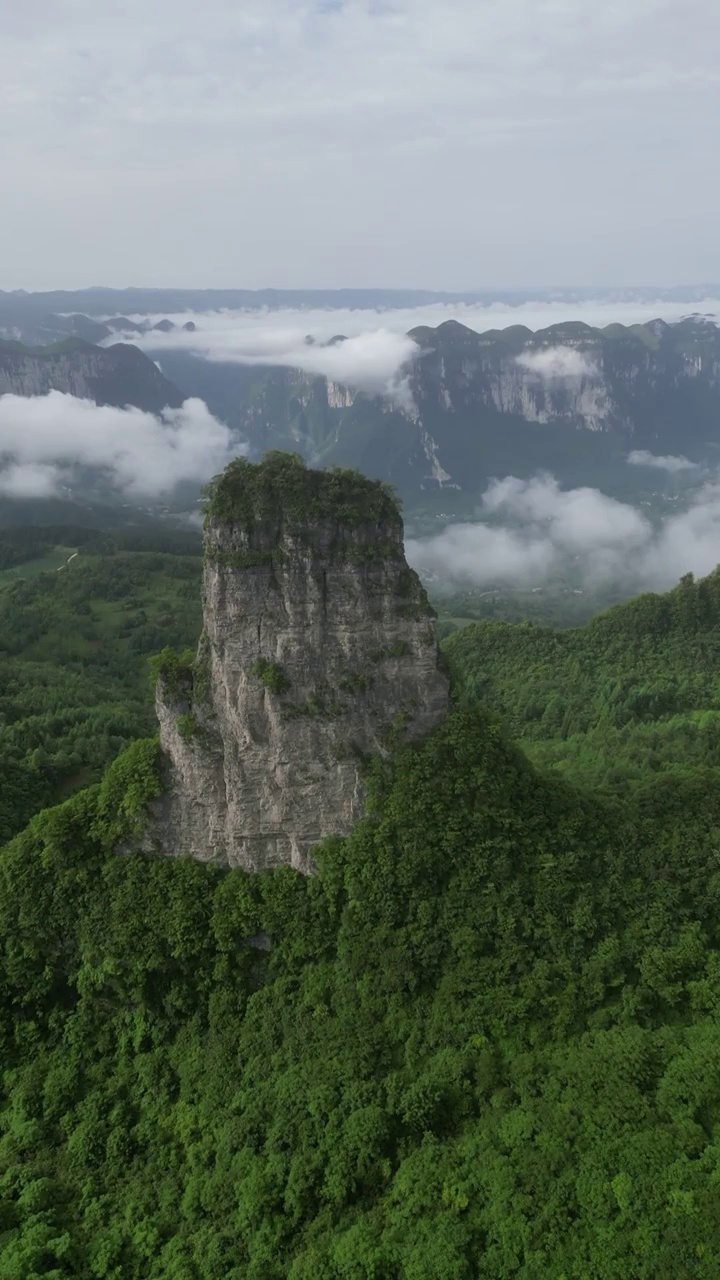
223 328
558 362
533 530
372 361
283 143
663 462
44 440
30 480
573 519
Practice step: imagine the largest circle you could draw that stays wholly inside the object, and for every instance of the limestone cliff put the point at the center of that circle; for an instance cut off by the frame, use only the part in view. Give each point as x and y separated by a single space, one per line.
472 406
117 375
318 649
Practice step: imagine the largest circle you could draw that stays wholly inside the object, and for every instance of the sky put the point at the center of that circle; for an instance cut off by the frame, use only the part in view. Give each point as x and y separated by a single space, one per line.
459 145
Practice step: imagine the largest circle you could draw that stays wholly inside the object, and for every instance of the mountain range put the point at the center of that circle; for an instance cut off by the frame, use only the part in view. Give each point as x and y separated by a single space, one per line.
19 307
472 405
466 407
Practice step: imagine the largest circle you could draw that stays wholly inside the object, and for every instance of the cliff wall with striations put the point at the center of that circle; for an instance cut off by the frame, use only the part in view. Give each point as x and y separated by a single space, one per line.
318 650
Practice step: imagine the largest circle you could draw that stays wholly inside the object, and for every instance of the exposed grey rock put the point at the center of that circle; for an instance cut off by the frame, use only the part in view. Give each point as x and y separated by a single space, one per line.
260 770
116 375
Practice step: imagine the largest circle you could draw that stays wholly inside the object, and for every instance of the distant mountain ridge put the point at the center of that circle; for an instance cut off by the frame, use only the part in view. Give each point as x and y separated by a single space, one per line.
100 301
117 375
568 398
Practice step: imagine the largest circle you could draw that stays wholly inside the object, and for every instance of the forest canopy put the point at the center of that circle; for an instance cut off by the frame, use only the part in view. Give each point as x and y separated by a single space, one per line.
481 1042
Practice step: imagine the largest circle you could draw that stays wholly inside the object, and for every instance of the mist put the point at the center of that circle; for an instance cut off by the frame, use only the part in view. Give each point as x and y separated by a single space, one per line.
373 361
662 462
45 440
225 327
377 351
533 530
557 362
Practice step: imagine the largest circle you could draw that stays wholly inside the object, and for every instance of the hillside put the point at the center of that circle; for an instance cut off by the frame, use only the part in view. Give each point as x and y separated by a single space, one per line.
74 647
117 375
480 1041
634 695
483 1041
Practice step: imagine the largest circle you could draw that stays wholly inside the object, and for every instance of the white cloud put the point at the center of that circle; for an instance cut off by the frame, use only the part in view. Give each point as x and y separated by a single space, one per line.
538 529
254 330
30 480
558 362
663 462
372 361
481 554
43 439
378 349
572 519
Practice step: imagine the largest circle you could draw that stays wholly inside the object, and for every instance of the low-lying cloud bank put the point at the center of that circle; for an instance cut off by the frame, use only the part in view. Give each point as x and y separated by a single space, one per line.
324 322
46 440
663 462
377 351
558 362
374 361
536 529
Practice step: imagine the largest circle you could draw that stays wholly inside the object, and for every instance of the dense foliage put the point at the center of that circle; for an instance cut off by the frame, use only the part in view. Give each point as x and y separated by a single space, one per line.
634 694
74 683
283 488
482 1042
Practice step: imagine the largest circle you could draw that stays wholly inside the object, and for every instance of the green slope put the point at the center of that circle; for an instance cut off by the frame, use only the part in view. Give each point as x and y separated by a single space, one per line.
482 1042
633 694
74 683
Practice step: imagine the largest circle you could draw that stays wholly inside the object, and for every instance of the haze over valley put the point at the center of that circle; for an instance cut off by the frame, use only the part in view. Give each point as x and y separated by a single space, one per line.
595 415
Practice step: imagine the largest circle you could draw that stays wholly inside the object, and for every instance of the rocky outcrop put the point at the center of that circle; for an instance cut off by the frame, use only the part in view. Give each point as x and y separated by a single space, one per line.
117 375
318 651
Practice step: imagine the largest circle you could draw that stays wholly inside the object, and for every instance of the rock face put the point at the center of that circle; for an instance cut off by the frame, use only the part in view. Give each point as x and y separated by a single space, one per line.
472 406
318 649
117 375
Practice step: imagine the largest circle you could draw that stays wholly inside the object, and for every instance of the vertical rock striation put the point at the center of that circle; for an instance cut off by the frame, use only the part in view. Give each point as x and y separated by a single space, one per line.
318 649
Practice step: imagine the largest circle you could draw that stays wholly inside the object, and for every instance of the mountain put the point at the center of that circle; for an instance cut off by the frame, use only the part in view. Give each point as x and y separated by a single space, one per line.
265 737
26 325
116 375
101 302
80 611
629 697
481 1041
568 398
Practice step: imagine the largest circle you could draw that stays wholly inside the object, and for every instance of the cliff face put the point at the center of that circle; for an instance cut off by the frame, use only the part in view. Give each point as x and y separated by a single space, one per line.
117 375
477 405
318 649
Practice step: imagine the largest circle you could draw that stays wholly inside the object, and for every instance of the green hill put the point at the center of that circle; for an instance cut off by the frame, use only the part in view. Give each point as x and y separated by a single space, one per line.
482 1042
74 644
634 694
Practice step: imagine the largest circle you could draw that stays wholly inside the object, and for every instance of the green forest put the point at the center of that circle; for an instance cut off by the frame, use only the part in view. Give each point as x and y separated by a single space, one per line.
482 1042
74 647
